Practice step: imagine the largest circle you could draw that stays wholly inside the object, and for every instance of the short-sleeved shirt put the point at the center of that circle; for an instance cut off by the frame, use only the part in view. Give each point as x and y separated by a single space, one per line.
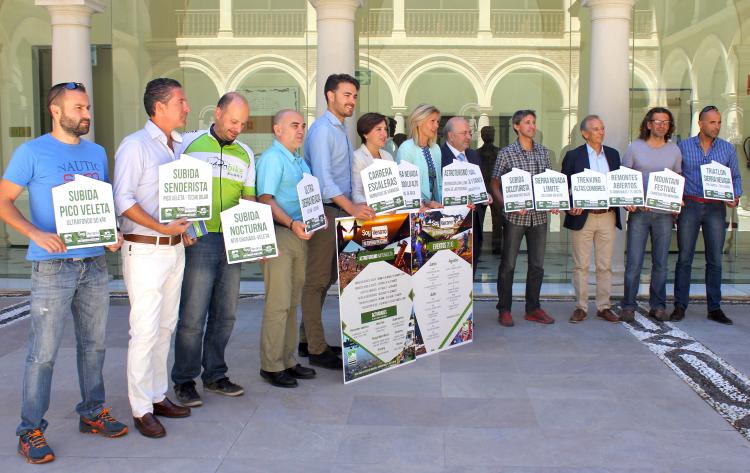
642 157
136 178
693 158
233 172
328 153
44 163
278 173
534 161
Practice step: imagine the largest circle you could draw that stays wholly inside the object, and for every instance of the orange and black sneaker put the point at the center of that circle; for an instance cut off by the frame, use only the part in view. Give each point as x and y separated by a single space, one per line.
103 424
33 446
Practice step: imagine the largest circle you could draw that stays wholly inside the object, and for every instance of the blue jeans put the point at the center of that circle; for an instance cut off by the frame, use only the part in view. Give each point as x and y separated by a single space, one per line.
712 217
640 226
536 242
210 289
58 288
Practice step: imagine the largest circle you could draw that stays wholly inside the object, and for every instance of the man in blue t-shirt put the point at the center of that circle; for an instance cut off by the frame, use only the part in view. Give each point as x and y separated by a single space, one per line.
62 280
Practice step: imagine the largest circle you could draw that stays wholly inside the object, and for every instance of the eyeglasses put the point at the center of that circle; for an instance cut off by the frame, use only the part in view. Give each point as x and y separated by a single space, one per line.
707 108
56 89
464 133
661 122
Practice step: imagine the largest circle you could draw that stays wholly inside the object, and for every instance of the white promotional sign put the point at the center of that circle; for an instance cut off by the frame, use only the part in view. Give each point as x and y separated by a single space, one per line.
665 190
410 186
85 213
625 187
551 191
311 203
463 183
717 181
185 189
518 193
382 184
249 233
589 190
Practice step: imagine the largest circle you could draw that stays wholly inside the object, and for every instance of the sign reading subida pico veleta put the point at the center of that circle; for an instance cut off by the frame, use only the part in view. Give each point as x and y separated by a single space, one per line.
85 213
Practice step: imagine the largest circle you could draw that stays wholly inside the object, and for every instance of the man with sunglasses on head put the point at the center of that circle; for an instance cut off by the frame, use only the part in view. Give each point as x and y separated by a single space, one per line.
651 152
63 281
706 214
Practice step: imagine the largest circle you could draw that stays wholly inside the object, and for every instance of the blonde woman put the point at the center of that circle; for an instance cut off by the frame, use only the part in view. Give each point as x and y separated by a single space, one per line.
372 128
422 151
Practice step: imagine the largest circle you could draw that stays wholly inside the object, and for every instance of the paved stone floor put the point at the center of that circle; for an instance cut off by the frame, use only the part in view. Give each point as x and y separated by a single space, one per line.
534 399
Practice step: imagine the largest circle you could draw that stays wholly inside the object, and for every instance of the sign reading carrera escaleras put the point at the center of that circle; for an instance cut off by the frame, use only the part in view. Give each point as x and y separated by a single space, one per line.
185 189
85 213
248 232
382 185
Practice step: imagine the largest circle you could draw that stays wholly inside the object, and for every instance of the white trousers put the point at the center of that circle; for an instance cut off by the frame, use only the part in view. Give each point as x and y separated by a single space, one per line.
153 276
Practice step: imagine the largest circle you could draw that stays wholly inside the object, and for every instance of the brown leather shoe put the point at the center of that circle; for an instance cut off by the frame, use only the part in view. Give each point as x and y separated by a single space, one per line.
149 426
608 315
579 315
167 408
505 318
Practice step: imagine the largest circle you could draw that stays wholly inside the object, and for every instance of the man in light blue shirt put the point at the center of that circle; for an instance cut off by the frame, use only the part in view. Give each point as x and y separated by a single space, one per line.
280 169
328 152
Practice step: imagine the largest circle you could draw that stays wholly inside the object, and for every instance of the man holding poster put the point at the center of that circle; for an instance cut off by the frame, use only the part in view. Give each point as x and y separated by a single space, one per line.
533 158
700 212
153 259
592 228
63 281
280 169
651 152
211 286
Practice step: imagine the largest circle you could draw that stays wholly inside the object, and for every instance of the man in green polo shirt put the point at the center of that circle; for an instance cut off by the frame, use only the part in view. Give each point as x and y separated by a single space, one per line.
280 169
210 286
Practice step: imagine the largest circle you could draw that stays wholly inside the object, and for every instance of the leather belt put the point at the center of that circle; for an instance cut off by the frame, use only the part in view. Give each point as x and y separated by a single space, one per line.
152 240
600 211
701 200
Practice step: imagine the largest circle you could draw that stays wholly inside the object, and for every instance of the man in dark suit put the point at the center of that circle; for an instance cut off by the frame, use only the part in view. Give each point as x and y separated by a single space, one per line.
488 154
456 148
597 228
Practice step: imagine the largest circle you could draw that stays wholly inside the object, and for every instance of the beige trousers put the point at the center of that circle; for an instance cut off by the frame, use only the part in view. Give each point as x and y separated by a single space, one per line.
598 232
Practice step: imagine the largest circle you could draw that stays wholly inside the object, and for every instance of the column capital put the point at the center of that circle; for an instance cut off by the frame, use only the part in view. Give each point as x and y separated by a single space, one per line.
336 9
610 9
71 12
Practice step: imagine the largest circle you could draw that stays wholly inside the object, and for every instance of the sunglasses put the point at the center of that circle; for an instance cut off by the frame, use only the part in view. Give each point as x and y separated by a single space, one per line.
58 88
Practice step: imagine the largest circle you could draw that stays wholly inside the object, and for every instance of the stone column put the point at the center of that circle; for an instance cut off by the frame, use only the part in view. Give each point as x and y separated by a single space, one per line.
71 43
609 75
398 115
399 19
335 45
485 19
225 19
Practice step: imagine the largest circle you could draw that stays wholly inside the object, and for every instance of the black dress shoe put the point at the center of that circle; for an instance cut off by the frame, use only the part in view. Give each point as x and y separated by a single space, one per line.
677 314
167 408
281 379
300 372
149 426
335 349
328 359
717 315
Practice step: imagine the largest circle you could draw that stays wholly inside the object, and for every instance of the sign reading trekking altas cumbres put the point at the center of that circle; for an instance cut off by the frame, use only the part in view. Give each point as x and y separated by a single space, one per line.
382 184
311 204
625 187
589 190
409 174
717 181
664 190
185 188
551 191
85 213
518 193
248 232
463 184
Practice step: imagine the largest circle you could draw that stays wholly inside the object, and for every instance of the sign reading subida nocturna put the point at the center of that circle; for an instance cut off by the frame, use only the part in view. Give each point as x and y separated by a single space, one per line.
185 189
382 185
85 213
248 232
311 203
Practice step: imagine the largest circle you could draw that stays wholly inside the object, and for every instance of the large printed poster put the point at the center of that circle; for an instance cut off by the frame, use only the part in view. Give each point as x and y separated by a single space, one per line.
405 286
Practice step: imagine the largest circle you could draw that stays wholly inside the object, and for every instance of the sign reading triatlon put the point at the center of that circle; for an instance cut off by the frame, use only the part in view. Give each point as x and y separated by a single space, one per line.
185 187
717 181
85 213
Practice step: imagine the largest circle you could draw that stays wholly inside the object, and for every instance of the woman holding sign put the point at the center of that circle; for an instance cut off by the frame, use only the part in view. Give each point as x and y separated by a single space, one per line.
422 151
373 130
